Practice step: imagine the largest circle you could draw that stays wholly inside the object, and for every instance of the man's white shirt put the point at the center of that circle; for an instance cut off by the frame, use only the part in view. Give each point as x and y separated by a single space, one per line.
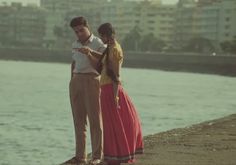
82 63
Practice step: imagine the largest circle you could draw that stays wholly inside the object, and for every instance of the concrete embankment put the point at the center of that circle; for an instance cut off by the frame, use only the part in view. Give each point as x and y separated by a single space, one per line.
208 143
219 64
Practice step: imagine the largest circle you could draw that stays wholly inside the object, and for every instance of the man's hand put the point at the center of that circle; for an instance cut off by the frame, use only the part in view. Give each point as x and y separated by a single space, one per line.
84 50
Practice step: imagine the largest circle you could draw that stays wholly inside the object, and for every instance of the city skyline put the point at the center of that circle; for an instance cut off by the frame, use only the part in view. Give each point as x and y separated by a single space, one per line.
37 1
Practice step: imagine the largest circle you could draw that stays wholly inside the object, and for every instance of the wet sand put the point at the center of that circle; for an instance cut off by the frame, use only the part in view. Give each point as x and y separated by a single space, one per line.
208 143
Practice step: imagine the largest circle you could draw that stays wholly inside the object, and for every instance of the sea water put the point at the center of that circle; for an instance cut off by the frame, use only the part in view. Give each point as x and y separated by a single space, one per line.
36 125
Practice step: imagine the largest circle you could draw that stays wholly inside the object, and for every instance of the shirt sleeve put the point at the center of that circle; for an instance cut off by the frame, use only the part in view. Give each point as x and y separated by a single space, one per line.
101 46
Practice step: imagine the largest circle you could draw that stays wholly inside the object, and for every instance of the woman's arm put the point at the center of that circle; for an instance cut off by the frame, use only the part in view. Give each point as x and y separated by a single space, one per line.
116 94
114 65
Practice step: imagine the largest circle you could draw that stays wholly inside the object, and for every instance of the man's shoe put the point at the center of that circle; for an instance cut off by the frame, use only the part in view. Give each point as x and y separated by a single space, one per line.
74 161
96 162
81 162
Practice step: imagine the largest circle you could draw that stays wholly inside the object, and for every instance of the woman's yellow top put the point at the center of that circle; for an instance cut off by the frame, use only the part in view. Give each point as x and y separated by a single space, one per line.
115 60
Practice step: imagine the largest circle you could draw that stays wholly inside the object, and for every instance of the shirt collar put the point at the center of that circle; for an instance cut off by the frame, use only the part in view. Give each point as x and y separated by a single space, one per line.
90 39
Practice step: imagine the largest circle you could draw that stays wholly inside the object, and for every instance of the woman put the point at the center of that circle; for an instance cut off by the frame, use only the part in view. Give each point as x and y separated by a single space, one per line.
122 128
121 124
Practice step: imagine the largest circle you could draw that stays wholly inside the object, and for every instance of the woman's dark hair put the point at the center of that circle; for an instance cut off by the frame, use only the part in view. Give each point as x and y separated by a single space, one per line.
107 30
78 21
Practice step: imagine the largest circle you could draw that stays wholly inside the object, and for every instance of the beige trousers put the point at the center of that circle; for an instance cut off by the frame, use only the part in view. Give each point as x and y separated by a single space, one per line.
85 102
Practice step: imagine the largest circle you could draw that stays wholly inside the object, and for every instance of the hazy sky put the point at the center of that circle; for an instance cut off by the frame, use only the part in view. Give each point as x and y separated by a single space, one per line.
37 1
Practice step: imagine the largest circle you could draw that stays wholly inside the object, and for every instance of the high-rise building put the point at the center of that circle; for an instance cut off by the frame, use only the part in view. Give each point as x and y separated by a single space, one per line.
210 19
21 25
184 22
203 2
60 13
62 5
152 17
120 14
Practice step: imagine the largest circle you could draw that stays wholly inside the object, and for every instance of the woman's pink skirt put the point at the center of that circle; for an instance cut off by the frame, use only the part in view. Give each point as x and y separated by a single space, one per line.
122 128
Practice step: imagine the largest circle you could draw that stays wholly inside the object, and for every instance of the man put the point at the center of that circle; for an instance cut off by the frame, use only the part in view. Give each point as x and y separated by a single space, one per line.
85 93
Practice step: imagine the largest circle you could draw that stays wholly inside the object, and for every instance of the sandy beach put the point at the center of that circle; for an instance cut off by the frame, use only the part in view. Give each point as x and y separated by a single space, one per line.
208 143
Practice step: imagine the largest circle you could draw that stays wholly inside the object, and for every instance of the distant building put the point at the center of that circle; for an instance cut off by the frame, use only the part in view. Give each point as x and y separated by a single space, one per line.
121 14
66 5
21 25
59 15
152 17
184 22
215 20
60 12
176 25
210 19
204 2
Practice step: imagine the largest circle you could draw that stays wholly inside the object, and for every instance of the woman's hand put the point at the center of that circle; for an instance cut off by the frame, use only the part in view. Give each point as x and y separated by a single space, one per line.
116 95
116 100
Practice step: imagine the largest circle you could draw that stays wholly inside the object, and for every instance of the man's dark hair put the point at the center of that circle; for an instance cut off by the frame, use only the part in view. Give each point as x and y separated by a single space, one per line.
78 21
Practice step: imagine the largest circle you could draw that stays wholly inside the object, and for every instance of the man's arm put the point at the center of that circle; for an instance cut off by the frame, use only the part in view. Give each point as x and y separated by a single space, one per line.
96 54
93 60
72 68
89 51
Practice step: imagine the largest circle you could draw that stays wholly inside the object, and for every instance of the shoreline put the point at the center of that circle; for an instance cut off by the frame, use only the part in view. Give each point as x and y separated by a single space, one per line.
208 143
178 62
211 70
